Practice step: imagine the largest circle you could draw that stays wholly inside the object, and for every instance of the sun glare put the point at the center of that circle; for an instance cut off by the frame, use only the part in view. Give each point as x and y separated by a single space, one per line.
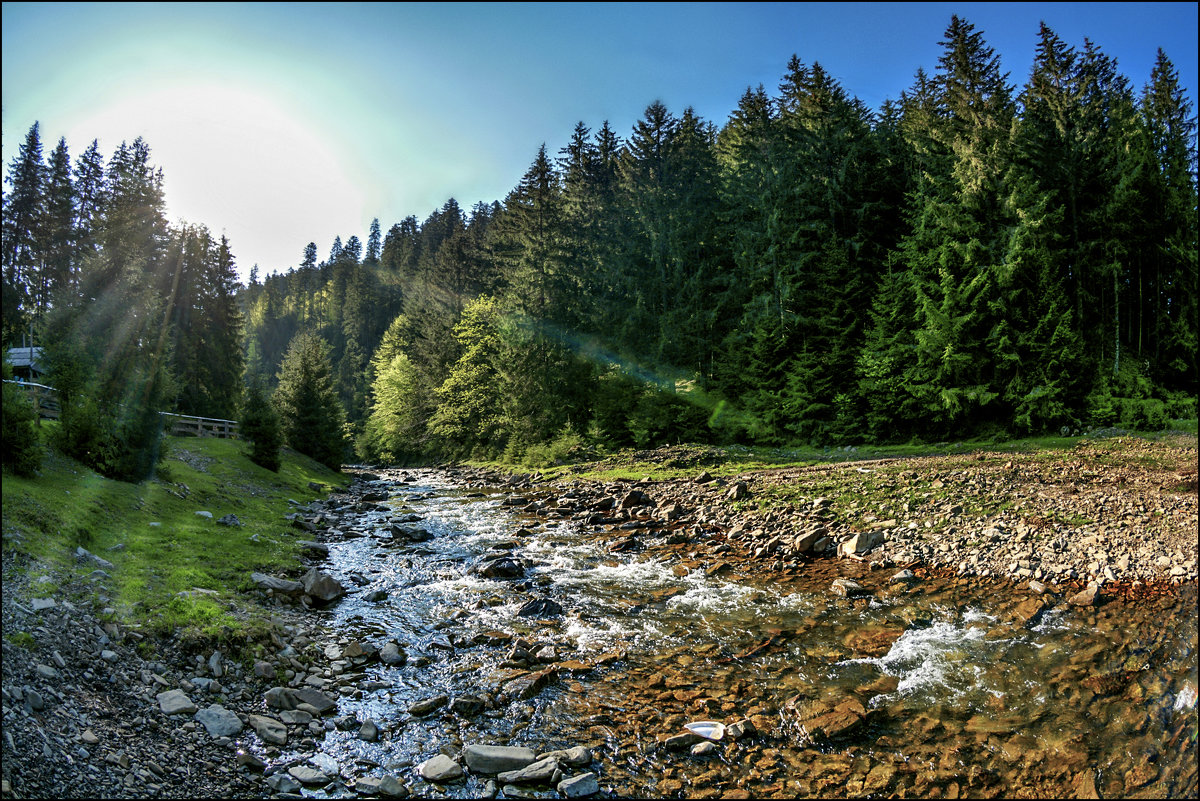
235 160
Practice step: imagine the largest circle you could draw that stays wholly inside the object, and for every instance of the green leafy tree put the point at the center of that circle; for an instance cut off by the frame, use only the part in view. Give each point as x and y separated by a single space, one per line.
307 401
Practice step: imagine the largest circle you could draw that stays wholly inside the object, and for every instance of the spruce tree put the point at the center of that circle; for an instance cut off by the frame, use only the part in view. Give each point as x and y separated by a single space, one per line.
260 426
307 402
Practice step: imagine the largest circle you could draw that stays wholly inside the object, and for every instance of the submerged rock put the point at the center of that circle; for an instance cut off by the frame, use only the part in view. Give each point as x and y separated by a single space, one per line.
490 760
540 607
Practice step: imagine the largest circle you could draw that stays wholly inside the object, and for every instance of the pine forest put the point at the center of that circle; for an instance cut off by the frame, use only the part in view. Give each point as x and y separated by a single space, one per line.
975 259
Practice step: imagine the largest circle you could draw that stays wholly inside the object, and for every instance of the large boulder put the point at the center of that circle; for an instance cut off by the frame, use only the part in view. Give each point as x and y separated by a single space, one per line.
322 587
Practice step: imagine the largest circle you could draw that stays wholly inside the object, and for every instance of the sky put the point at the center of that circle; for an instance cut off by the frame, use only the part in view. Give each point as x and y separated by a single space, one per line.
279 124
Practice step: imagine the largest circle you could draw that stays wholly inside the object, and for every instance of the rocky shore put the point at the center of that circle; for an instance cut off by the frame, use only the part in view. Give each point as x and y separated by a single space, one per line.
93 708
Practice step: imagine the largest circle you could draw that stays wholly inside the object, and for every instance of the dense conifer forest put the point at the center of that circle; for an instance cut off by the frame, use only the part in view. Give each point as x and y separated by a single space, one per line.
975 258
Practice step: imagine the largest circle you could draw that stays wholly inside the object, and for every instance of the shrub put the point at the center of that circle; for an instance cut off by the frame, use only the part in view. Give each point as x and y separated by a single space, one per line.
21 448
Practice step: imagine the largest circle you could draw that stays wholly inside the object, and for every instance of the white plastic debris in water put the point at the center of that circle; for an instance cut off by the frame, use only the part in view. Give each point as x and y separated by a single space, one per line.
708 729
1186 699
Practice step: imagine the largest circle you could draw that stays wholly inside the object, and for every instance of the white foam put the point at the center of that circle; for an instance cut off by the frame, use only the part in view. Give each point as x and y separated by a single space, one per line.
1186 698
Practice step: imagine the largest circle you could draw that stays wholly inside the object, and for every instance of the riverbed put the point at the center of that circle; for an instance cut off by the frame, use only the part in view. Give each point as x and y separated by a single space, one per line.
927 685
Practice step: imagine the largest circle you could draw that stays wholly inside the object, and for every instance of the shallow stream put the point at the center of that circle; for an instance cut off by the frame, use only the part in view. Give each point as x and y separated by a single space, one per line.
936 688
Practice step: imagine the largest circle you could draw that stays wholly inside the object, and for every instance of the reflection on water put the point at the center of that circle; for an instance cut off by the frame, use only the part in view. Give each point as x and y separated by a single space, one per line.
931 690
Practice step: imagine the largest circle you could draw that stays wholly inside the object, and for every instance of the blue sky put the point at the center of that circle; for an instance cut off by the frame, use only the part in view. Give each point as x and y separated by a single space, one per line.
281 124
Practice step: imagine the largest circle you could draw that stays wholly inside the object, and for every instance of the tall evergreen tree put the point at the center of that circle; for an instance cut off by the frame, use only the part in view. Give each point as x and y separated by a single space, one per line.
307 402
24 211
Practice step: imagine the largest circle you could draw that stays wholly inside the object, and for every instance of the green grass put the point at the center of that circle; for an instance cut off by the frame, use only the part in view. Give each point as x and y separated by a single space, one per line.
151 533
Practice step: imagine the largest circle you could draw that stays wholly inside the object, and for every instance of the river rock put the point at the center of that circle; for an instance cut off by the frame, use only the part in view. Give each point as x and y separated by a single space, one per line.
289 698
705 748
681 742
368 732
467 705
581 786
283 783
440 768
848 587
1029 611
540 772
740 729
575 756
862 542
540 607
392 654
905 576
1086 597
492 759
219 721
268 729
635 498
306 775
738 492
321 586
175 702
281 585
428 705
84 555
499 567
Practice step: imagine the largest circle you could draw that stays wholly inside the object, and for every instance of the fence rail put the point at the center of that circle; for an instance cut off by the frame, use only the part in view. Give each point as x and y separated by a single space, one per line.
182 425
45 400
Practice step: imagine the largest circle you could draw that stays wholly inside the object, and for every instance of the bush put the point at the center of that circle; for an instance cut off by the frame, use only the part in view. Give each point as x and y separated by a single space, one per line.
21 448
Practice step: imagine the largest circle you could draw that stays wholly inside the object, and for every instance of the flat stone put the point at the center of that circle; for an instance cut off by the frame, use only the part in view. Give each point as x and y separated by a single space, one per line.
275 584
428 705
576 756
268 729
540 772
440 768
219 721
175 702
306 775
581 786
289 698
492 759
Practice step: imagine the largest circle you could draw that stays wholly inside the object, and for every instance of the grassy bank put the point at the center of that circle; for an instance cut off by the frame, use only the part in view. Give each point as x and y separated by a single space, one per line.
173 569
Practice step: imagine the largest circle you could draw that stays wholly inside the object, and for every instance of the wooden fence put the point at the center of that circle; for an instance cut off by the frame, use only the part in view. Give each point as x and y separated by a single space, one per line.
45 400
182 425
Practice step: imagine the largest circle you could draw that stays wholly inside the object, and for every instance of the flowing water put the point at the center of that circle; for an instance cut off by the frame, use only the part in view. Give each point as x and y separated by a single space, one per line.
931 689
